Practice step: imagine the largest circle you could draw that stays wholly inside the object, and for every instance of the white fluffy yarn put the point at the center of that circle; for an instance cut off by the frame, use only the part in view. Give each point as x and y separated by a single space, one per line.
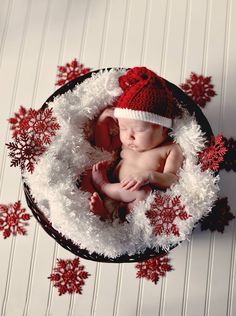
53 185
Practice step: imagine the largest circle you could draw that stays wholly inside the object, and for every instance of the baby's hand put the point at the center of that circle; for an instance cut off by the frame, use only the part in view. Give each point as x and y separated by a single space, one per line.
136 181
107 113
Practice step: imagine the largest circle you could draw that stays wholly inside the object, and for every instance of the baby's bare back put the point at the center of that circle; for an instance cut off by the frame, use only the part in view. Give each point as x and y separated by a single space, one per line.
133 161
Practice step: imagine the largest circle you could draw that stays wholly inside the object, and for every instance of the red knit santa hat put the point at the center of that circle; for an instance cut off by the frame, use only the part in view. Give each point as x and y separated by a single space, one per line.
145 97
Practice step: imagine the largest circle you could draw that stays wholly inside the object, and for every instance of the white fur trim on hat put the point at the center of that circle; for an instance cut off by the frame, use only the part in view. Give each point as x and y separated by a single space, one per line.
143 116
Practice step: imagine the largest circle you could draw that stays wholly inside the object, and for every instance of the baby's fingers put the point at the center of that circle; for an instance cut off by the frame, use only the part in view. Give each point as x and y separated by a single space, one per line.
136 186
129 185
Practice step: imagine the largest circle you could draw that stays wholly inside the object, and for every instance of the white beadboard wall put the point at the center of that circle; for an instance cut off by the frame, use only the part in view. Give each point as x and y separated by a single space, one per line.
172 37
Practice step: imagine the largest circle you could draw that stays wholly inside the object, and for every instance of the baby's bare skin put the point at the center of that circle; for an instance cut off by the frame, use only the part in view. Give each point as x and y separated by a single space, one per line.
148 159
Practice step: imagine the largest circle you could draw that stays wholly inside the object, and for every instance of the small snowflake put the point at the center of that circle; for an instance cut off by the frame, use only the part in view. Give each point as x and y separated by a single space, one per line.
24 152
213 155
164 210
154 268
199 88
70 71
219 216
68 276
229 162
13 219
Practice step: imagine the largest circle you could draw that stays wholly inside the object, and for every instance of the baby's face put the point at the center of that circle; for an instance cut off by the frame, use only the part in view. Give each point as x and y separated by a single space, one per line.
139 135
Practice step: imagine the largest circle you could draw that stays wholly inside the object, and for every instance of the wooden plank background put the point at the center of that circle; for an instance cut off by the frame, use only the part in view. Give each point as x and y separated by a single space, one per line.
171 37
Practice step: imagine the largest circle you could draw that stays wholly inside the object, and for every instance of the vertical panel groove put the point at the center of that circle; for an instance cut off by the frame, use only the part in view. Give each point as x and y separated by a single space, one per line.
5 29
232 273
186 277
118 287
8 278
40 56
225 66
206 36
162 296
140 298
186 39
104 33
165 37
124 33
50 290
84 32
95 289
209 274
31 269
145 31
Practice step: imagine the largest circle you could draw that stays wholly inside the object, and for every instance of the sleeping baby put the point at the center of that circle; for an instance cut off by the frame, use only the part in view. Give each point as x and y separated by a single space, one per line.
149 159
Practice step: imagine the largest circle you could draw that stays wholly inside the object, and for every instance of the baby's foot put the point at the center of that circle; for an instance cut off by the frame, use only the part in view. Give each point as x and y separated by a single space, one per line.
96 206
99 175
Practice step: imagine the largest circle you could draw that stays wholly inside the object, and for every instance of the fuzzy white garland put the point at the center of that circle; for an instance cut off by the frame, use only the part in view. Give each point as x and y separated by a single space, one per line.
70 154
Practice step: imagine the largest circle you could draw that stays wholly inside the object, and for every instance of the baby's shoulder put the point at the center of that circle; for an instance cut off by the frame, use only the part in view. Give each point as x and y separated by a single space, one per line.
168 147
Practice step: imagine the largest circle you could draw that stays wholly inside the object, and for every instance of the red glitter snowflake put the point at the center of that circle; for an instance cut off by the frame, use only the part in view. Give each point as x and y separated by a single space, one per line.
24 152
68 276
219 216
13 219
154 268
199 88
40 123
213 155
70 71
32 130
164 210
19 122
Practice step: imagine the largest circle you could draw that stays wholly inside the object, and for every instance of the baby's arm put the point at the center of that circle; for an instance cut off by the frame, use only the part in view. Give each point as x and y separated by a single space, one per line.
103 139
169 175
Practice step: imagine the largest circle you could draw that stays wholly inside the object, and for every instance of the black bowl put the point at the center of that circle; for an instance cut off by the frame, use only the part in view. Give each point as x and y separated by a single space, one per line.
187 103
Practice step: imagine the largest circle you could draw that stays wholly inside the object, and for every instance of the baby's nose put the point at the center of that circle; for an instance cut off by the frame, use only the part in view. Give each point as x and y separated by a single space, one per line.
131 136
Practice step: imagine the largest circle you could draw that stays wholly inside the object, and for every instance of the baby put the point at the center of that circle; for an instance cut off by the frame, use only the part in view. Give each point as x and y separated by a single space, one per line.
149 158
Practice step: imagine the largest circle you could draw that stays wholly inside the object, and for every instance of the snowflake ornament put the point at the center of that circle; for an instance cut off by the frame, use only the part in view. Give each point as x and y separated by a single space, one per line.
213 155
70 71
219 216
154 268
19 122
229 162
13 219
199 88
163 212
32 131
24 152
68 276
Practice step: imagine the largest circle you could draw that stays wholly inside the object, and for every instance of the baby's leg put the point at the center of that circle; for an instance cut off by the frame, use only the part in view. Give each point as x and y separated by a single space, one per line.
114 190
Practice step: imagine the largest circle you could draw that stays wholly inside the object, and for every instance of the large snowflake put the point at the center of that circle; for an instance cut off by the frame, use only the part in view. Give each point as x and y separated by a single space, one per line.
154 268
199 88
68 276
32 131
213 155
163 212
70 71
24 152
13 219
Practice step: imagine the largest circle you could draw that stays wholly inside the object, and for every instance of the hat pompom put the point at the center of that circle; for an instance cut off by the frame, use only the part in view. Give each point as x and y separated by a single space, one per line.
136 75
